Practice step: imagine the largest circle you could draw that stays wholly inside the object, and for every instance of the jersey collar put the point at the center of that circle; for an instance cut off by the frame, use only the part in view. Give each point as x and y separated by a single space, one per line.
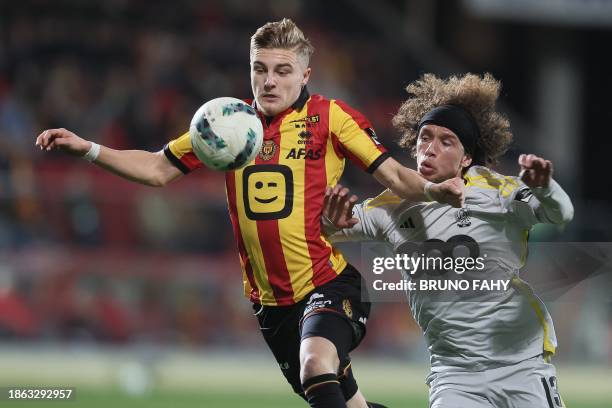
299 103
302 99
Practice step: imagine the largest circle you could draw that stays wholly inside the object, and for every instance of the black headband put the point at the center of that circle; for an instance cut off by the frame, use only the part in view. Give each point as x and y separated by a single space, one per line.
458 120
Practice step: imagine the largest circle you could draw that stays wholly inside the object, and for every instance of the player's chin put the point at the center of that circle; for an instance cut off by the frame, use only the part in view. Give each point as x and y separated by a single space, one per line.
270 108
429 174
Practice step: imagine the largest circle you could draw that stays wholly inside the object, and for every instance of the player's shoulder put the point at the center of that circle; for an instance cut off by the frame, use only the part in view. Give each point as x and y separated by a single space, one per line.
490 182
386 201
381 210
339 104
316 97
317 102
495 187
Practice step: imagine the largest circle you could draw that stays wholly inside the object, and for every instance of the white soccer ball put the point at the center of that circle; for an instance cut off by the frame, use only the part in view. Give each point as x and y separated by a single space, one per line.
226 134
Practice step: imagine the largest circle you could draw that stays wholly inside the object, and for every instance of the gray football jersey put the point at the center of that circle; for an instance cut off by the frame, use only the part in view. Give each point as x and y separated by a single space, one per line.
498 213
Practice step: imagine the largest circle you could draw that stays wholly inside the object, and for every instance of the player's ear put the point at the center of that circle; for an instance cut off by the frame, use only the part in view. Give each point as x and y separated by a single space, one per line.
306 76
466 161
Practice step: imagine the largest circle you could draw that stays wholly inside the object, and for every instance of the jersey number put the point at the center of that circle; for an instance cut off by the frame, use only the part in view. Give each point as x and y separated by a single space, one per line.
552 393
457 246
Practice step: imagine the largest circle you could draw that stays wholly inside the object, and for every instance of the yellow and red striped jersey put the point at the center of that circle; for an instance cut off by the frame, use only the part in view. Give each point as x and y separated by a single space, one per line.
275 202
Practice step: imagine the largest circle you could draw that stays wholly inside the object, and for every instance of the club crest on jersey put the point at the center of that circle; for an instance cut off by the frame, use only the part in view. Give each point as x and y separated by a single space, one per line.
462 216
268 148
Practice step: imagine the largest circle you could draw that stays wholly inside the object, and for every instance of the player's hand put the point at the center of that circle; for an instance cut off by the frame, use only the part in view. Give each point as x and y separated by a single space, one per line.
64 140
338 206
535 171
450 191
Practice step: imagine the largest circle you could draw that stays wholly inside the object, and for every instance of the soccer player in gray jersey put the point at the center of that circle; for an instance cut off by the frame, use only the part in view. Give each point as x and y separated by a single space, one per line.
488 353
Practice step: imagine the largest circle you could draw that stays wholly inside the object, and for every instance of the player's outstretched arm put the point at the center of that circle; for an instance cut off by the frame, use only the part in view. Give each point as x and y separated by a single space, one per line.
152 169
410 185
553 205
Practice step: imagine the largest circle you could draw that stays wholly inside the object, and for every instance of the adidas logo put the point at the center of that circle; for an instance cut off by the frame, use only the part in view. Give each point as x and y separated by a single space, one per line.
407 224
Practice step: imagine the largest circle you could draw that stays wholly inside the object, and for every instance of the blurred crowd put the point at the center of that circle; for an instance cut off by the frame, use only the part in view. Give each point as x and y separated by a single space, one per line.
130 75
85 256
116 297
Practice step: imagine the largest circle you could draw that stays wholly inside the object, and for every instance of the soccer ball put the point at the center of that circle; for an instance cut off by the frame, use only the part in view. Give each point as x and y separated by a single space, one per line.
226 134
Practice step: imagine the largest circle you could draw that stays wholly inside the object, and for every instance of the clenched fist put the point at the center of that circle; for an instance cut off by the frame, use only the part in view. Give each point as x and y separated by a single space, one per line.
450 191
535 171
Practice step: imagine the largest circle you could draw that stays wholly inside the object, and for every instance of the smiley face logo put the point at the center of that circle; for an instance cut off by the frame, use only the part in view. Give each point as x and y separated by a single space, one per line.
267 191
271 185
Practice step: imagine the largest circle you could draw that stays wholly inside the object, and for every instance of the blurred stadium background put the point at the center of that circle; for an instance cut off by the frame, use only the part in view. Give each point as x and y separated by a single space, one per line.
133 295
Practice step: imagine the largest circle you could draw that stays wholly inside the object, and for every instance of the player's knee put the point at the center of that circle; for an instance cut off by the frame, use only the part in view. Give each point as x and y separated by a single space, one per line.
314 365
317 356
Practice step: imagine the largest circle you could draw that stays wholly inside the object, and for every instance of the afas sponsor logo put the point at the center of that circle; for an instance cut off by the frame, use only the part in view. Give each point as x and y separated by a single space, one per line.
304 153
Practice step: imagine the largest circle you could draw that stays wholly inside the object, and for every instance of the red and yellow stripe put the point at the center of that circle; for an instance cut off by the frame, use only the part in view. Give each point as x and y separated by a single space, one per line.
286 258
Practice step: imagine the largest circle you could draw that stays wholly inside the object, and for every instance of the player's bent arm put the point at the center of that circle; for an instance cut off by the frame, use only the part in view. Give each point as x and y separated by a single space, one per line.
402 181
410 185
151 169
553 205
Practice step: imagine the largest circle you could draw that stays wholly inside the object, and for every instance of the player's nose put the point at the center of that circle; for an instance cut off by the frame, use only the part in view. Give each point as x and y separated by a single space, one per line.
431 149
270 82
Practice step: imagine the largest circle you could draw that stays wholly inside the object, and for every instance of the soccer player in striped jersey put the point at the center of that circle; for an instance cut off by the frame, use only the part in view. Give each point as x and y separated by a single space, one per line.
484 353
306 296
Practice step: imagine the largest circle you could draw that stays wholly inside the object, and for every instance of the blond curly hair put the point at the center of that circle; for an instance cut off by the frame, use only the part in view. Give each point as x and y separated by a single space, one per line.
472 92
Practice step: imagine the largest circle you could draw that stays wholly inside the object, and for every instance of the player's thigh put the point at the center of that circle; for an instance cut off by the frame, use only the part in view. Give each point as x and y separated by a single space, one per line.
530 384
451 389
329 335
337 312
449 397
280 329
339 299
336 331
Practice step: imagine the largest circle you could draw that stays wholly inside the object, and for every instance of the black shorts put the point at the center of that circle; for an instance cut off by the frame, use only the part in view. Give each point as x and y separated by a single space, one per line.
283 327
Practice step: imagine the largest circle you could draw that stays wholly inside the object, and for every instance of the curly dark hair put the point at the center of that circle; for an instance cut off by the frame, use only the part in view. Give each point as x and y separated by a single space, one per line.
474 93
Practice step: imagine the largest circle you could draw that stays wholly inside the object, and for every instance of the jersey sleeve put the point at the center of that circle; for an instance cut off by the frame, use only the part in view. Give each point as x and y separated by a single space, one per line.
353 137
180 154
375 215
549 205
